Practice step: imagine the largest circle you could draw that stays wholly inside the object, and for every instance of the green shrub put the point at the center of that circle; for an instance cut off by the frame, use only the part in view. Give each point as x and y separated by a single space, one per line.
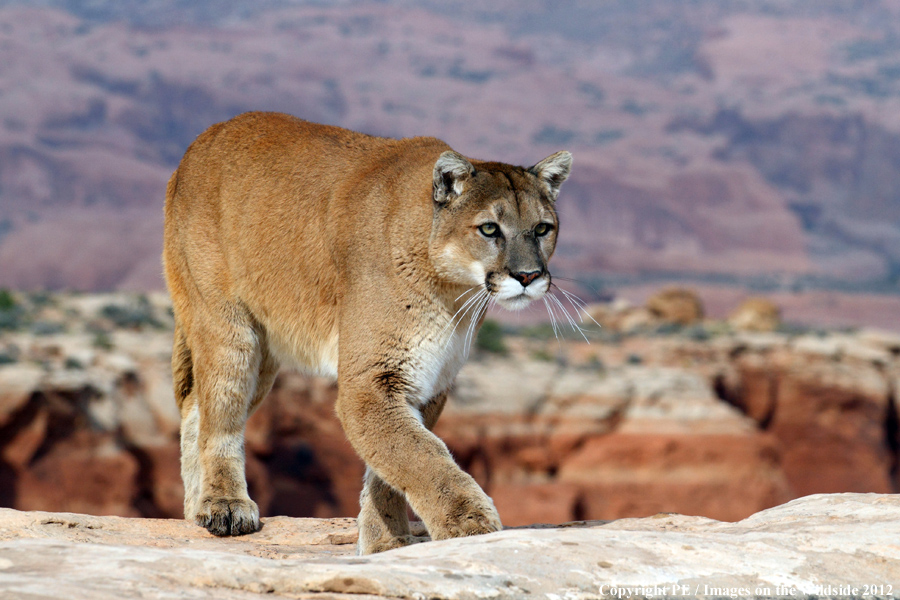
490 338
41 299
542 355
12 314
543 331
73 363
102 341
7 301
47 328
133 315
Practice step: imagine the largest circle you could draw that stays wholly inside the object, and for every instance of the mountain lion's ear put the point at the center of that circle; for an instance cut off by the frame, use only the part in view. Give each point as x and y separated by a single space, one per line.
553 170
451 171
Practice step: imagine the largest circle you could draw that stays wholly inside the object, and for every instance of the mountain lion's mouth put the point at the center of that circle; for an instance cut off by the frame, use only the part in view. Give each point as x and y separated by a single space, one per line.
519 301
512 295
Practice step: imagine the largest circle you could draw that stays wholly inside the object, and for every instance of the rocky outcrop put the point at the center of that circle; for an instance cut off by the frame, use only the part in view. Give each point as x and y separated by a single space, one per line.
552 443
830 402
549 443
676 305
816 547
671 306
756 314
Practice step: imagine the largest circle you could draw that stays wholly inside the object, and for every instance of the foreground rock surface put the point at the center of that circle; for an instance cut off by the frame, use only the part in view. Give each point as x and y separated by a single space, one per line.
823 546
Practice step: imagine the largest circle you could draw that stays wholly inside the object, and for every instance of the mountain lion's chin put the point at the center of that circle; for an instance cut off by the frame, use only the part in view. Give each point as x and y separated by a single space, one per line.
517 302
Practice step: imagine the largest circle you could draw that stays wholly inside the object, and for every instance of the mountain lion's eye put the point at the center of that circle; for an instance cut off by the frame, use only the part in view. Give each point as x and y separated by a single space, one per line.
489 230
542 229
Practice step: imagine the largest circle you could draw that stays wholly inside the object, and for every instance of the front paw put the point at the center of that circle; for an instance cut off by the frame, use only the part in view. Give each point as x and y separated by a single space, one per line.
468 515
228 516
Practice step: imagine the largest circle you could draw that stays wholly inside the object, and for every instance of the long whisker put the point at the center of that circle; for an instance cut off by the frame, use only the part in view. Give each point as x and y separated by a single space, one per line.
474 300
572 298
562 308
579 282
472 304
572 322
565 311
575 302
468 290
462 311
476 316
472 319
583 312
552 318
579 303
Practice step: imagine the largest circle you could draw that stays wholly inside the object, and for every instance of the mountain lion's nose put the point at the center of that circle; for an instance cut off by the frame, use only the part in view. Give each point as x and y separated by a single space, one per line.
526 278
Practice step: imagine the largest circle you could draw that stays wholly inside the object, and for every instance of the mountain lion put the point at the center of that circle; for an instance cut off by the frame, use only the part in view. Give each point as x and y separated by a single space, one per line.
370 259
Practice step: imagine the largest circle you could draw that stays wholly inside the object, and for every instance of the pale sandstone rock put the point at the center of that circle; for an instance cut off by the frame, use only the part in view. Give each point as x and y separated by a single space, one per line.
587 397
627 441
504 389
676 305
669 399
887 340
756 314
845 346
758 341
844 540
17 383
621 315
828 346
635 319
601 312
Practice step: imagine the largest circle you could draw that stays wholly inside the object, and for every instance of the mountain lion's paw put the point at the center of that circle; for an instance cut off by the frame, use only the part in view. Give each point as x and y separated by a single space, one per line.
228 516
470 515
389 543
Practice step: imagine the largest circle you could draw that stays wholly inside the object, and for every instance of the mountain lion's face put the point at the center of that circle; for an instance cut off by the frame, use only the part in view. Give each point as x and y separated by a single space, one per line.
495 226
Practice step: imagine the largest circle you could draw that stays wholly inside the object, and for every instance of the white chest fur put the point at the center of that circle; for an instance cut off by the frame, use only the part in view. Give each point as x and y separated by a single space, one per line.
435 365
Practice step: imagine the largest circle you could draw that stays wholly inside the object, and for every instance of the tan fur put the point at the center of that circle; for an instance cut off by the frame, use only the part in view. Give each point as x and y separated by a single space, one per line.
288 242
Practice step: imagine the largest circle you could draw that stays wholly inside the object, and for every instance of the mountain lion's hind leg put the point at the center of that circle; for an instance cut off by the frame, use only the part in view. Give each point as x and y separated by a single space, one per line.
227 357
190 455
383 522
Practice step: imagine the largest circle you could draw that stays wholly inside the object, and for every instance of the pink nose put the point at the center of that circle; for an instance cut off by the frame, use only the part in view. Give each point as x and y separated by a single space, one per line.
526 278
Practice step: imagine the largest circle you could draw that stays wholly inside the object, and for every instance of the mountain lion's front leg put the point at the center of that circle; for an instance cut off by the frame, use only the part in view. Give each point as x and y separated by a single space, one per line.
404 454
383 522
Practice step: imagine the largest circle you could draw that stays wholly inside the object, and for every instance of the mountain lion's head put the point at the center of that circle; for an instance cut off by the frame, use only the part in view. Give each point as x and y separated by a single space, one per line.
495 225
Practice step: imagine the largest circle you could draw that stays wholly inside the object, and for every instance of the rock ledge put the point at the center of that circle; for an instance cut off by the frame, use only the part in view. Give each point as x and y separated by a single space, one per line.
834 545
